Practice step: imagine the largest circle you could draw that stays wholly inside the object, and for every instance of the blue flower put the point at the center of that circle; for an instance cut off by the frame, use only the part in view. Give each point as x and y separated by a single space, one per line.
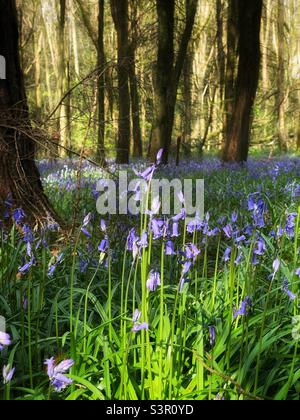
153 281
290 294
4 340
56 373
8 374
212 335
18 215
244 309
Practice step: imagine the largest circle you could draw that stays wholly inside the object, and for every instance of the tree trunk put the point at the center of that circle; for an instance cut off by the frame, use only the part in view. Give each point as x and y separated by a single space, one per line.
220 46
119 11
164 72
231 64
281 79
101 85
249 13
64 109
19 176
134 90
168 73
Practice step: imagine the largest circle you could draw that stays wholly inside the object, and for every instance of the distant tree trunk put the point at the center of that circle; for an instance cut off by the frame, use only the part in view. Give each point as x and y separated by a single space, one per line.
281 79
188 101
134 90
64 110
249 13
168 73
220 46
162 79
231 65
101 84
19 176
37 73
265 45
119 11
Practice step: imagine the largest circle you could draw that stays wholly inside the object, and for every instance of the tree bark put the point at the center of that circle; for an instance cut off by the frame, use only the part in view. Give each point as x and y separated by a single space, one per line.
249 13
134 90
101 84
168 73
19 176
281 78
119 11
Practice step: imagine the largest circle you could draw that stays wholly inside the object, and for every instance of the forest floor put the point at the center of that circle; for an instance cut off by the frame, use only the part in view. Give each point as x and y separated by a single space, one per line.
157 308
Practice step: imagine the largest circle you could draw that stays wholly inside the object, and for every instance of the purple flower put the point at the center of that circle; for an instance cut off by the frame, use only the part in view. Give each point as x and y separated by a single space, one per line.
276 266
8 374
87 220
186 268
139 327
228 231
212 335
169 250
244 309
86 232
4 340
18 215
103 247
56 373
298 272
136 316
131 239
227 254
27 266
153 281
288 292
159 156
143 242
175 232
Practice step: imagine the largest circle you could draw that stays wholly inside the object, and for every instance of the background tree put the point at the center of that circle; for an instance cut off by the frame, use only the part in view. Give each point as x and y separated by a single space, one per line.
120 16
168 72
19 176
249 13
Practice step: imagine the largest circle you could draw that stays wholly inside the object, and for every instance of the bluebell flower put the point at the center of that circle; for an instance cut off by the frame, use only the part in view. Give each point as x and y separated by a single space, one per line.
104 245
212 335
18 215
169 248
246 305
175 230
290 294
5 340
143 242
131 239
227 254
228 231
139 327
153 281
56 373
8 374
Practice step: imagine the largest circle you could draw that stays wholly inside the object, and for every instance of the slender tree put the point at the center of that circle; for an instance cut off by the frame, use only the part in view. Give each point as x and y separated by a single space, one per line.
249 13
101 84
119 11
281 78
168 72
19 176
134 89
